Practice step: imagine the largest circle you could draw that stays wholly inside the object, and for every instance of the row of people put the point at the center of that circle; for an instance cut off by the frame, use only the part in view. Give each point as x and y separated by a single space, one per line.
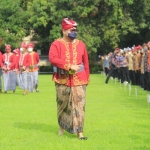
19 68
129 66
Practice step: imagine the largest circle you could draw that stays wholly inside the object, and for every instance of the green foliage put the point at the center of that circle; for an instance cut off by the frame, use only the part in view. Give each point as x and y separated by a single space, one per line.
46 69
13 22
101 24
95 68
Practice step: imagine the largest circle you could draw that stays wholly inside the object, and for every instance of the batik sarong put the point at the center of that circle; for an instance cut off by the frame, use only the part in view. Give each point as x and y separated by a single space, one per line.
23 80
71 107
32 81
9 80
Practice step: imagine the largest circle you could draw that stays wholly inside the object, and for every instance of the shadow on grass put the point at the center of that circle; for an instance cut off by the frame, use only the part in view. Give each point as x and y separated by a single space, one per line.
36 126
41 127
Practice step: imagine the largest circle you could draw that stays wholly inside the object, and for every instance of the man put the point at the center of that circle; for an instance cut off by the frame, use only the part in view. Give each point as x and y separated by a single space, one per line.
125 68
8 66
131 72
71 76
148 67
146 79
16 52
33 68
139 48
106 64
113 65
142 71
0 72
22 67
135 66
0 68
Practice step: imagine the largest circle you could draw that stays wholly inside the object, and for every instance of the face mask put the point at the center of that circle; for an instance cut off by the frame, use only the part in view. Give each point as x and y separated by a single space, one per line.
30 49
72 35
6 63
8 50
21 49
145 49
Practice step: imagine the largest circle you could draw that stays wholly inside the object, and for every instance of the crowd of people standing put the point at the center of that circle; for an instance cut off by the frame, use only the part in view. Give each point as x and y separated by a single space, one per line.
19 67
129 65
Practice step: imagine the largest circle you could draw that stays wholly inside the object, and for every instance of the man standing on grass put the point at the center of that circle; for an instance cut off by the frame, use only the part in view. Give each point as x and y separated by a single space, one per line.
0 68
17 56
0 72
8 66
71 76
22 67
33 68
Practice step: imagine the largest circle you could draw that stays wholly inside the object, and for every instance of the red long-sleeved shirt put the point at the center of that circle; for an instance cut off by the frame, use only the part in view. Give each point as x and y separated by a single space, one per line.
63 55
8 59
34 60
16 60
24 61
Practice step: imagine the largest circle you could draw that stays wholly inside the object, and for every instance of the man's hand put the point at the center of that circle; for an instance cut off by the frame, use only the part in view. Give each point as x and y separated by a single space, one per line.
75 67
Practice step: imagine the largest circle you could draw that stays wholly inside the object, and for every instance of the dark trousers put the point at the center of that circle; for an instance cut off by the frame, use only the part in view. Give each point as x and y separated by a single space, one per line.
118 73
138 77
112 73
126 74
121 74
131 74
106 70
147 75
135 78
143 81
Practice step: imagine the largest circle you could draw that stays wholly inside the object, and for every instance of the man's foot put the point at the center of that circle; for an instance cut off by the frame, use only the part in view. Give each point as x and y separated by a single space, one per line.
5 92
25 92
37 90
81 137
1 91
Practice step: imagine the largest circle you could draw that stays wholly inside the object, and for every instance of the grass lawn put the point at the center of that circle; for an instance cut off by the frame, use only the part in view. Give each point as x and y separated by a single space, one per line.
114 120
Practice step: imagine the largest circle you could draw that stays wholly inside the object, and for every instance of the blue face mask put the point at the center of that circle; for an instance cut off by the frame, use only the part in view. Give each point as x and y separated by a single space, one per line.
72 35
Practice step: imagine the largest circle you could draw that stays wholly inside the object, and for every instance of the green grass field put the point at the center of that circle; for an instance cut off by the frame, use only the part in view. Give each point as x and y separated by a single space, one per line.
114 120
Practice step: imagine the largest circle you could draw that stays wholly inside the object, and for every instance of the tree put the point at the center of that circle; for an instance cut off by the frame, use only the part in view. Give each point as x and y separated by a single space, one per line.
102 23
13 22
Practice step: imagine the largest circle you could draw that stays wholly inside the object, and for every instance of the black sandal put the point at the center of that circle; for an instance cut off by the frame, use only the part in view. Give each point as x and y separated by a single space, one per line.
83 138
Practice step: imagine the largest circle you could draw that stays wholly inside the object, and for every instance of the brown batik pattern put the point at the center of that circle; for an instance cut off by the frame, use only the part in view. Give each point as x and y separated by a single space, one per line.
71 107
